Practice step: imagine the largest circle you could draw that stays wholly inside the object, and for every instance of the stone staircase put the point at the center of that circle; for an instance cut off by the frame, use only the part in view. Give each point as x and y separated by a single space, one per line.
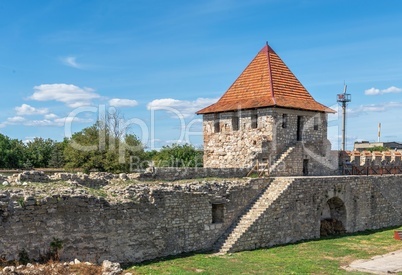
227 242
263 169
281 158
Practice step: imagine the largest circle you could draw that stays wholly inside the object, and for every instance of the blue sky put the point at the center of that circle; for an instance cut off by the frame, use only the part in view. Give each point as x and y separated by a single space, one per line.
58 58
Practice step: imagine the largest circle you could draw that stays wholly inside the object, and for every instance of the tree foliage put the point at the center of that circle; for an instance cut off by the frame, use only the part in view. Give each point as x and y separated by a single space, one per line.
378 149
101 147
98 148
57 158
11 152
39 151
178 156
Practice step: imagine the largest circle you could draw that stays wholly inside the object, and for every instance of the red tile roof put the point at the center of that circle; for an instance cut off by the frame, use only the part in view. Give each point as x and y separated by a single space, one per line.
266 82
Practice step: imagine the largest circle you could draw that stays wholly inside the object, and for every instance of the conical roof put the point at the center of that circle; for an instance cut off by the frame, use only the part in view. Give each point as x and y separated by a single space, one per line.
266 82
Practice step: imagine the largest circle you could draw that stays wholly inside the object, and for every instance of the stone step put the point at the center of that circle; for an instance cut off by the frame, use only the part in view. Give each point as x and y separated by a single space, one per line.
281 158
275 189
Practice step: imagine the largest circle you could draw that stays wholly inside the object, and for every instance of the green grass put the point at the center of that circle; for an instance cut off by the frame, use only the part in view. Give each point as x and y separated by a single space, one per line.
324 256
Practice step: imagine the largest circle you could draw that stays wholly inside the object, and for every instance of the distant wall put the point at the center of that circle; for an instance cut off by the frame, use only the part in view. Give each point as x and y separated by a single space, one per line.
179 173
373 158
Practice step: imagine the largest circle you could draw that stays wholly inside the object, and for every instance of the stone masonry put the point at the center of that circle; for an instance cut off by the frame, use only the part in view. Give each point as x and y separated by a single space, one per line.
136 222
243 146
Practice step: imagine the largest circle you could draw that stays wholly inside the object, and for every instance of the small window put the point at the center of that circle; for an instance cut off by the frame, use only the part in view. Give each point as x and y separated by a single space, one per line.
299 133
235 123
254 121
217 213
315 123
284 121
217 127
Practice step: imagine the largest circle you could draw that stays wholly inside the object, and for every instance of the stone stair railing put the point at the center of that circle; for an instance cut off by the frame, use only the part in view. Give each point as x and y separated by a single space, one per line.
253 212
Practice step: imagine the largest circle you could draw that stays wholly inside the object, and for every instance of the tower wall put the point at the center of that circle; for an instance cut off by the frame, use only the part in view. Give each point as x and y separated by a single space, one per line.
276 130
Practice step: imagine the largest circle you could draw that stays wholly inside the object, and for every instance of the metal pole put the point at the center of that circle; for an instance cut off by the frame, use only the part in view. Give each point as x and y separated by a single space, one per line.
343 126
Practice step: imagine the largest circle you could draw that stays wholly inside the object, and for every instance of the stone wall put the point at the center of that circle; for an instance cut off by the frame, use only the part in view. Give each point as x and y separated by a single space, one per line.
230 148
180 173
134 223
287 136
137 222
372 202
307 154
226 146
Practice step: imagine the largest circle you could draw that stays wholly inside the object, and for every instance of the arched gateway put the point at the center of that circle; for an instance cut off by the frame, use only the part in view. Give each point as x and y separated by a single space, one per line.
333 218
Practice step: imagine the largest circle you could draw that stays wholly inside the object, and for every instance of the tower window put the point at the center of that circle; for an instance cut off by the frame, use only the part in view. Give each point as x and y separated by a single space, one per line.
217 127
284 120
315 123
254 121
235 123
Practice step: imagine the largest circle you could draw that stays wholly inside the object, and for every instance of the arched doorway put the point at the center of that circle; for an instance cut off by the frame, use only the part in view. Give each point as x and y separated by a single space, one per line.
333 218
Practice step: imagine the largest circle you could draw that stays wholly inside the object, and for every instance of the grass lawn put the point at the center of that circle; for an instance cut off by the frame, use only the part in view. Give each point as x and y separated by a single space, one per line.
324 256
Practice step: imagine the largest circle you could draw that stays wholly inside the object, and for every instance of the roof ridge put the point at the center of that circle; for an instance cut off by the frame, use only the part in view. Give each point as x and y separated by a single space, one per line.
270 74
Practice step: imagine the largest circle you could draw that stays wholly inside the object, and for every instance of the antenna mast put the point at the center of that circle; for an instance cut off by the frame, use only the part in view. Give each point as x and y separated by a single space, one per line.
343 99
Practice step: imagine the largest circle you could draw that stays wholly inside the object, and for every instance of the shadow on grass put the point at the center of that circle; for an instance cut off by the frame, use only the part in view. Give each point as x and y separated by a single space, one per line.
210 252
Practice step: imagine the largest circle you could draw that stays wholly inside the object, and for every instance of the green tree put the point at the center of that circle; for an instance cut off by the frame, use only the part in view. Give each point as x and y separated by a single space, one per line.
179 156
378 148
98 148
82 149
57 157
39 152
11 152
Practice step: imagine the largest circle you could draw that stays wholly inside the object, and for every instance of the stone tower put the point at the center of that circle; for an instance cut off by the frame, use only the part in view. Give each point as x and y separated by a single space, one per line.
264 114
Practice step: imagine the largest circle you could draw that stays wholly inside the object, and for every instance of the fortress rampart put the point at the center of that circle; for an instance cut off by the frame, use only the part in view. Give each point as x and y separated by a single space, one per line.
142 221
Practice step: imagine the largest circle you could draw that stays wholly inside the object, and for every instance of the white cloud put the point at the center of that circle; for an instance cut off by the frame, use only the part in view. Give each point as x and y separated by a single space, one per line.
69 94
71 62
63 120
58 122
48 120
28 139
180 108
375 91
118 102
51 116
381 107
44 122
16 119
175 141
26 109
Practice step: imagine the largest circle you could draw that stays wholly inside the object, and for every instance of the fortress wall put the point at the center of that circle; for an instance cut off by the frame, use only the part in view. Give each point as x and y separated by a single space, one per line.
146 221
371 203
140 222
